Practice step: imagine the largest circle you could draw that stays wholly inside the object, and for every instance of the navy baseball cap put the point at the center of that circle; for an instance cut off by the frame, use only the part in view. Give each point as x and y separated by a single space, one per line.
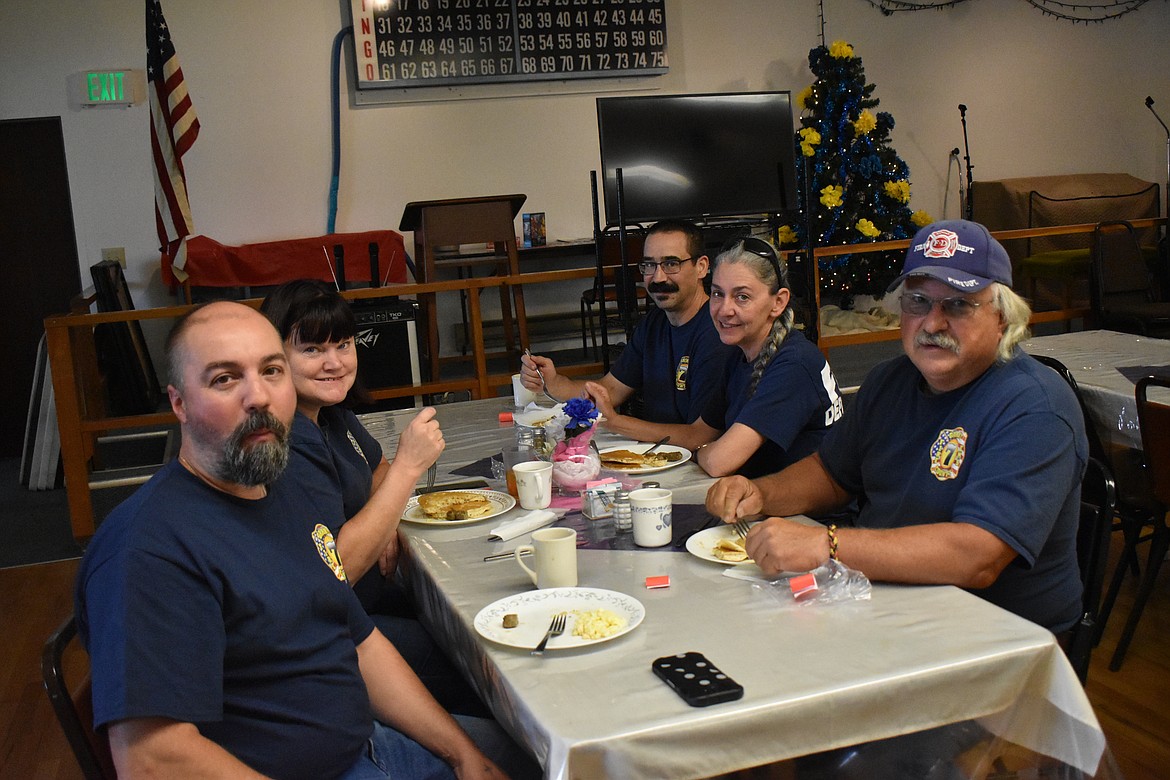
959 253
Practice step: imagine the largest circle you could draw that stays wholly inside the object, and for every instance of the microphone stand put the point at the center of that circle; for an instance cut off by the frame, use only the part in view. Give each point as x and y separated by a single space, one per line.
1165 250
968 206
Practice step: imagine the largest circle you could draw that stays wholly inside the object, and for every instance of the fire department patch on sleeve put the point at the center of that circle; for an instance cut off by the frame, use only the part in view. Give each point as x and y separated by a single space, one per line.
680 373
327 549
947 453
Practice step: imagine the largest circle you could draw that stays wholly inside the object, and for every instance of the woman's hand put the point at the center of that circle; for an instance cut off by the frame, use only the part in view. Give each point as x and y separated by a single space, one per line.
420 444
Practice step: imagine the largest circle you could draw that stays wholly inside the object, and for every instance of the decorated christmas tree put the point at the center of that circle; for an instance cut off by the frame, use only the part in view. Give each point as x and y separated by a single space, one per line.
860 187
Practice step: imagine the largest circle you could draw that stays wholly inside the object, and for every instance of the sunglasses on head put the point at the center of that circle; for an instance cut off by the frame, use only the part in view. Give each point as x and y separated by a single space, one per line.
760 248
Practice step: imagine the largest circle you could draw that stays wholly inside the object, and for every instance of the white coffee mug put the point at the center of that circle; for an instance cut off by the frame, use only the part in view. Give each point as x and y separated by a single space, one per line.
651 509
534 483
521 395
555 550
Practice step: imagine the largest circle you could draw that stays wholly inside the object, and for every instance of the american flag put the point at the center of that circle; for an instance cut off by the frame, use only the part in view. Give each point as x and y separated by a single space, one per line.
173 128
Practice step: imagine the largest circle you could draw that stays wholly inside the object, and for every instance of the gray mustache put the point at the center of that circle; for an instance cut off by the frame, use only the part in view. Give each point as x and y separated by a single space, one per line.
937 340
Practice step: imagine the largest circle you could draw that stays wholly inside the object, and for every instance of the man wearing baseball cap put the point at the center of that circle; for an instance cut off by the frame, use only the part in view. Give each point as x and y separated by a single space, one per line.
965 454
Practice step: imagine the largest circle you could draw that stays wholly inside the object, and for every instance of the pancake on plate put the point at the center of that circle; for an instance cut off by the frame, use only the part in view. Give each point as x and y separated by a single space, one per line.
626 459
454 505
729 550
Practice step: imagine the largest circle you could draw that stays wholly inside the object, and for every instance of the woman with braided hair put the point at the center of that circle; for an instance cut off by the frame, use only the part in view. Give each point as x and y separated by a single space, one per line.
778 401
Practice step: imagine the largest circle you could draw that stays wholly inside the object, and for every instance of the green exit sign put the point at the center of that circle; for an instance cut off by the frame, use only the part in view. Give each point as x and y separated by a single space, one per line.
107 86
119 87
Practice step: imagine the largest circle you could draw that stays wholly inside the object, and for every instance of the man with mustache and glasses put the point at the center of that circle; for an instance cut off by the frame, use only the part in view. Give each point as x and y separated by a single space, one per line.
965 454
675 357
224 639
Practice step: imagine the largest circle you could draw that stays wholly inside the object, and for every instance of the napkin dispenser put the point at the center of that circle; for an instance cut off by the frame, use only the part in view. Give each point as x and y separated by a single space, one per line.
597 500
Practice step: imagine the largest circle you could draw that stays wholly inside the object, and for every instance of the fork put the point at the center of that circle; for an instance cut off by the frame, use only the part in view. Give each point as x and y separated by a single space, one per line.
543 384
555 628
742 528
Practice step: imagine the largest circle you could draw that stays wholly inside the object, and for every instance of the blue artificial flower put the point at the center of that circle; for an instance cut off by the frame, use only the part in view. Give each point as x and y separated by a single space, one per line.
581 413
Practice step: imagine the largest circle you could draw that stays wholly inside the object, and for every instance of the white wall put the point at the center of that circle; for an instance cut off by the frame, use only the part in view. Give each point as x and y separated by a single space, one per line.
1044 96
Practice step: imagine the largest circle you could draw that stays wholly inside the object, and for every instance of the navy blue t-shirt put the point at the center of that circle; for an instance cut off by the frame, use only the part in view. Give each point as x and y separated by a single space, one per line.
1005 453
676 368
795 402
337 457
229 614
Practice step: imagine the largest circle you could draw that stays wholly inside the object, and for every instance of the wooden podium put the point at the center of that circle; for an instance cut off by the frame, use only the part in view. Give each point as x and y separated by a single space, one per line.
439 225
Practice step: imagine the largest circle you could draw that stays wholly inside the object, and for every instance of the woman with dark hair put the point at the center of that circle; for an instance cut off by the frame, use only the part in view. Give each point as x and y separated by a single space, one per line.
333 452
779 399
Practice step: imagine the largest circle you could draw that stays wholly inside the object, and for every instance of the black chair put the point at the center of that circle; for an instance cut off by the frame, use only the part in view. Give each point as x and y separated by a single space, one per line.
1098 503
74 706
1154 419
1132 504
605 286
1122 291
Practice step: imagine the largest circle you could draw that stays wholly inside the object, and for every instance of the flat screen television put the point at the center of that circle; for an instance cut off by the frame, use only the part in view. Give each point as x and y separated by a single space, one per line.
697 156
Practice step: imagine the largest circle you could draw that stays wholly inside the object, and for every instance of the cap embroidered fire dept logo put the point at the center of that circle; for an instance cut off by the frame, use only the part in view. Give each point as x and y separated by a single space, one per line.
943 243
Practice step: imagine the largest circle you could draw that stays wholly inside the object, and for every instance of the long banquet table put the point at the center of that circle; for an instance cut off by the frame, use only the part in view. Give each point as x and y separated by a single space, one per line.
815 677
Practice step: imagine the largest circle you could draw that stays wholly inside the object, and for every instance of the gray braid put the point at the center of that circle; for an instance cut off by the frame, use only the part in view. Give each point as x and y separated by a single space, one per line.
781 327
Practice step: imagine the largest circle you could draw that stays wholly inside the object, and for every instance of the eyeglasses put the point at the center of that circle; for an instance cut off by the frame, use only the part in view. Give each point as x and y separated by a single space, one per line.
920 305
669 265
762 249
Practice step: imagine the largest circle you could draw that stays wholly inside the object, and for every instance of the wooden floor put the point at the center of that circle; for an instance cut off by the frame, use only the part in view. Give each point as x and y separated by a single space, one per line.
1133 704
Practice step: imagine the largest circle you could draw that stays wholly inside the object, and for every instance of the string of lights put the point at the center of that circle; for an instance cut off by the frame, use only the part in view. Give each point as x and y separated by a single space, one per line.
1069 10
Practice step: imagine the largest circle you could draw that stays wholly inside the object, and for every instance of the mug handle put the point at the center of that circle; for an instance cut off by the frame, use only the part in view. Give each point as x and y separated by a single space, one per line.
520 551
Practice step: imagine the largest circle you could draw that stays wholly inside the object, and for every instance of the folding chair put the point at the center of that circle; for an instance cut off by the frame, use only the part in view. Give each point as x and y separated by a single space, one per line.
1154 419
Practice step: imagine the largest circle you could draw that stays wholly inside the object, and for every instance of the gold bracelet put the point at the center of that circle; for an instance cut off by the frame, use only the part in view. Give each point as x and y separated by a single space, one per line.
832 541
701 446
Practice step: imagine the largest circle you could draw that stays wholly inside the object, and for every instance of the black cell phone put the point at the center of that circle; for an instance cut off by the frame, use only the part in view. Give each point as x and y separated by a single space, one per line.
698 681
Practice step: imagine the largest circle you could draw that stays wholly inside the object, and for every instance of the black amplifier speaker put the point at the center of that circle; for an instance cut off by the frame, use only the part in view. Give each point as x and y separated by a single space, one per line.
387 348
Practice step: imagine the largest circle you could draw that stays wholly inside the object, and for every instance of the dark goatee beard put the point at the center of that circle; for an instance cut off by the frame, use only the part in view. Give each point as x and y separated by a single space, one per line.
258 464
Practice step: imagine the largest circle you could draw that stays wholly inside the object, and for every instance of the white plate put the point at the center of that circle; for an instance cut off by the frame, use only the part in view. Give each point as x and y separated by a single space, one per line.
535 609
686 455
702 544
501 502
537 417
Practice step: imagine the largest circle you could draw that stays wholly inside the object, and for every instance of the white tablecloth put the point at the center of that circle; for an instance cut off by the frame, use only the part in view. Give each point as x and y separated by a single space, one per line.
815 678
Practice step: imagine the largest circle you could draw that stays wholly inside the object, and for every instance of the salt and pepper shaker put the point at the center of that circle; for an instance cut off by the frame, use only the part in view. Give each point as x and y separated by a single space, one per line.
651 484
623 513
526 437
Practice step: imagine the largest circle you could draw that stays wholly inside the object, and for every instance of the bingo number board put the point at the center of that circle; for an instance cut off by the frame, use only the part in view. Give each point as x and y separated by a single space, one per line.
421 43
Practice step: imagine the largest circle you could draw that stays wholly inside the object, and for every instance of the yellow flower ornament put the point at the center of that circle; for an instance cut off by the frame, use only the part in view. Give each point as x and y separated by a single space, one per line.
865 123
867 228
786 235
898 190
921 219
841 50
831 196
803 97
809 138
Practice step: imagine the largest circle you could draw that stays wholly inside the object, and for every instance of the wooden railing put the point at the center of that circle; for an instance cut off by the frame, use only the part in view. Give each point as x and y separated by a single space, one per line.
81 414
